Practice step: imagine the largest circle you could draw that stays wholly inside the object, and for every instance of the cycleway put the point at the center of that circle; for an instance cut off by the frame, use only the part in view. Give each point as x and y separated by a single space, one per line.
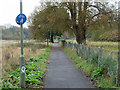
62 73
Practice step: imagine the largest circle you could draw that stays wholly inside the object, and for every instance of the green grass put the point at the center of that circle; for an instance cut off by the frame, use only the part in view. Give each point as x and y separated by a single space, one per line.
50 44
86 67
105 82
94 73
35 69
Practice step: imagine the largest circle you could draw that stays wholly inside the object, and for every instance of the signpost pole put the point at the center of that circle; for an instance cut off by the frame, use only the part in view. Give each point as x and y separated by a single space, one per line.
118 77
22 62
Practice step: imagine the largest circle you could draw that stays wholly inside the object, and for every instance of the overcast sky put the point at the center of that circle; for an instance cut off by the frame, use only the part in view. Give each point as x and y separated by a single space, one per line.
9 9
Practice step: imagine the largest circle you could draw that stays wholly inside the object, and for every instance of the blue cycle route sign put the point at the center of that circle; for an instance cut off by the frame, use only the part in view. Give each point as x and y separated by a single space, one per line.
21 19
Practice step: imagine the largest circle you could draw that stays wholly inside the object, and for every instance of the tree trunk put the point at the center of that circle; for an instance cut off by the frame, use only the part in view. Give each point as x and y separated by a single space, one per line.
83 35
81 30
78 39
80 27
51 39
80 35
77 34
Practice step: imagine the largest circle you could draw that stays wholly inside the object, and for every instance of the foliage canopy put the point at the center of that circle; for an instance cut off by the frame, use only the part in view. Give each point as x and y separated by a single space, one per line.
72 17
51 20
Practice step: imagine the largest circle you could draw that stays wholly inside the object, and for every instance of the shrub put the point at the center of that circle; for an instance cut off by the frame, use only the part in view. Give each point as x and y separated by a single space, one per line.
97 73
34 59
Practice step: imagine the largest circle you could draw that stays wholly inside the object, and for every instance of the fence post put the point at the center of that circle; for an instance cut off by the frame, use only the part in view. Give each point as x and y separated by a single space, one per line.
82 51
69 44
118 81
72 45
88 53
99 56
78 50
85 52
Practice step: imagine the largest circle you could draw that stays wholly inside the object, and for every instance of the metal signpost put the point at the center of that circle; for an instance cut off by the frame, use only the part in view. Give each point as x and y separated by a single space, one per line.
21 19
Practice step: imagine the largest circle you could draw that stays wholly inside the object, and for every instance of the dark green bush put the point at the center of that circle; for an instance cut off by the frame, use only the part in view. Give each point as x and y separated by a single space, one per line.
97 73
34 59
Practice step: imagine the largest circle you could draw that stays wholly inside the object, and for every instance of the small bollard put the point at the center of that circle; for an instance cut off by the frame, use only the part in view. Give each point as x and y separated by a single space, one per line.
63 43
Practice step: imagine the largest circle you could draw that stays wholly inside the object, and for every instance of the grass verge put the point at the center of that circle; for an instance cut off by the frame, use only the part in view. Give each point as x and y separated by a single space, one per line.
98 76
35 69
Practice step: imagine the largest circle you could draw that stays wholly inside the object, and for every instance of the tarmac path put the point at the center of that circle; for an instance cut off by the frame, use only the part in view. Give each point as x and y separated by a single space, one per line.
62 73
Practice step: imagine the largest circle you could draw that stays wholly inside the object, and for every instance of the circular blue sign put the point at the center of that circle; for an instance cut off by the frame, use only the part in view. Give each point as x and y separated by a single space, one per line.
21 19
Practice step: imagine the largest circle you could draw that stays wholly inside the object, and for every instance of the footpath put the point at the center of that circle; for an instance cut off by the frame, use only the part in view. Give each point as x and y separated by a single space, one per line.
62 73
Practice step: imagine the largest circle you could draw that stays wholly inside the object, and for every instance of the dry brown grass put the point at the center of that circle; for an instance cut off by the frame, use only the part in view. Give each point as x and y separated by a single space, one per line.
0 65
11 53
110 46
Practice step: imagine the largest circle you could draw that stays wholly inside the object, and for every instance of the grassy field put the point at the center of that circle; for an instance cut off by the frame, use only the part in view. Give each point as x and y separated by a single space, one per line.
11 52
4 43
110 46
